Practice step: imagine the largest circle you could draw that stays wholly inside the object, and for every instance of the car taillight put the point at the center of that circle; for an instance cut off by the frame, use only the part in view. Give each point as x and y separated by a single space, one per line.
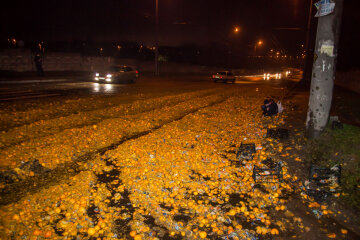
137 71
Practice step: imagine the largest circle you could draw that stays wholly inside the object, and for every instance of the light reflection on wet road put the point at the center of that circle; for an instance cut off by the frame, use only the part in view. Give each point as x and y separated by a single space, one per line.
48 89
103 88
44 90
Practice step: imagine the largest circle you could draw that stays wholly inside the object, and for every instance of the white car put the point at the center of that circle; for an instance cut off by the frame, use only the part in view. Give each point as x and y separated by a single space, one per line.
116 74
224 76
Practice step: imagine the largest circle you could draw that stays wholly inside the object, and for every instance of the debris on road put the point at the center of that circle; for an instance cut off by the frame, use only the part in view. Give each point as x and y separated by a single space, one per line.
174 182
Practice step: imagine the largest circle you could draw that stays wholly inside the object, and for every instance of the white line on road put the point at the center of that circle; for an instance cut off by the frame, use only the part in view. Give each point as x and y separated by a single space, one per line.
27 97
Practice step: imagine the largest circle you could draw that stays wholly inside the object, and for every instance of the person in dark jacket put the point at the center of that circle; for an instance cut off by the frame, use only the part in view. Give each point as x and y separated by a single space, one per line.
269 108
38 64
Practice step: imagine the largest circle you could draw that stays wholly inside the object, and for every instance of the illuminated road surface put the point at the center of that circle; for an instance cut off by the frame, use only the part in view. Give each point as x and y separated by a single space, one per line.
151 160
30 90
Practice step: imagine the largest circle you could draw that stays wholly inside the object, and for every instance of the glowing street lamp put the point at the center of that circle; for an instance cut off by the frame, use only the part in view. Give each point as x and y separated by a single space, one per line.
235 31
259 43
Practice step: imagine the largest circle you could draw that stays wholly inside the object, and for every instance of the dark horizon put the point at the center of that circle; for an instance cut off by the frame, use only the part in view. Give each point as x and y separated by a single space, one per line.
181 21
279 24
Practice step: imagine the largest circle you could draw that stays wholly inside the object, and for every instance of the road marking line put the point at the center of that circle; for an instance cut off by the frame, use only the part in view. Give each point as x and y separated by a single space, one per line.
34 96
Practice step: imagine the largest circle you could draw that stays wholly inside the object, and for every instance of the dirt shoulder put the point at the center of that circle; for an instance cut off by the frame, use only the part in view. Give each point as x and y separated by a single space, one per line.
342 218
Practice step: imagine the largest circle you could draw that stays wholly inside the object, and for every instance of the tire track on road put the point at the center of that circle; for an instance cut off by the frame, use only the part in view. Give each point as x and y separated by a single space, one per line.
45 128
20 118
14 192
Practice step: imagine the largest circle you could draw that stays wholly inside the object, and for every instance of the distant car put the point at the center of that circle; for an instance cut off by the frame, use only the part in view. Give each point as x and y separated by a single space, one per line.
224 76
279 75
116 74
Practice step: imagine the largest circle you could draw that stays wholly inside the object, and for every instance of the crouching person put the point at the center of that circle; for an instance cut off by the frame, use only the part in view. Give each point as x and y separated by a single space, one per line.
269 108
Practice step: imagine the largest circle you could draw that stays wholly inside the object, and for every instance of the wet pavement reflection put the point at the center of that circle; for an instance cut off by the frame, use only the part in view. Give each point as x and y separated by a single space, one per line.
105 88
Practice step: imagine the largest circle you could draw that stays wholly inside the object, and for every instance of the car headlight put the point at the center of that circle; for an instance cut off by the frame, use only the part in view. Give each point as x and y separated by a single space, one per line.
97 74
108 75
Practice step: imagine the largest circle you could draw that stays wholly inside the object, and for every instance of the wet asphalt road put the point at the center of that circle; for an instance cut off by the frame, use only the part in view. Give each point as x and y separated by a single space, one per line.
58 88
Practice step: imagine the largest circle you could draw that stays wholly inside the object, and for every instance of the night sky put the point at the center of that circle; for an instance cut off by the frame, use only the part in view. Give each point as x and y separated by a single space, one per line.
279 23
180 20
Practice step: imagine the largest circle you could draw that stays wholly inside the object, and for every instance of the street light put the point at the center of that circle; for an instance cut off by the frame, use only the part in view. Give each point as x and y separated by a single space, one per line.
235 31
259 43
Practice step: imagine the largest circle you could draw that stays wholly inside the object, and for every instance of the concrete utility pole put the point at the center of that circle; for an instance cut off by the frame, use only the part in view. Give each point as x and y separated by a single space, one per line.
324 68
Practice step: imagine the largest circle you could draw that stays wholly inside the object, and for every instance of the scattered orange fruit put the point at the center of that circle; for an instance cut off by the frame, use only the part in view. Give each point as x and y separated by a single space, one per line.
274 231
203 234
331 235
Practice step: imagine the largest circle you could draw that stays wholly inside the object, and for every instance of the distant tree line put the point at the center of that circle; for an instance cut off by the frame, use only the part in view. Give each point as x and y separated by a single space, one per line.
216 54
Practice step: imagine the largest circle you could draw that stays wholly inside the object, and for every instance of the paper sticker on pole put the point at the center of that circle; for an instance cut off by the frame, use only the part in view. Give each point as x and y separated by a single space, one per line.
324 7
327 47
317 4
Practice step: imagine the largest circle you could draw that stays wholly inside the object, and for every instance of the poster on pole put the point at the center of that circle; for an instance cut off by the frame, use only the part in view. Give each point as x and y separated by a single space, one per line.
324 7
